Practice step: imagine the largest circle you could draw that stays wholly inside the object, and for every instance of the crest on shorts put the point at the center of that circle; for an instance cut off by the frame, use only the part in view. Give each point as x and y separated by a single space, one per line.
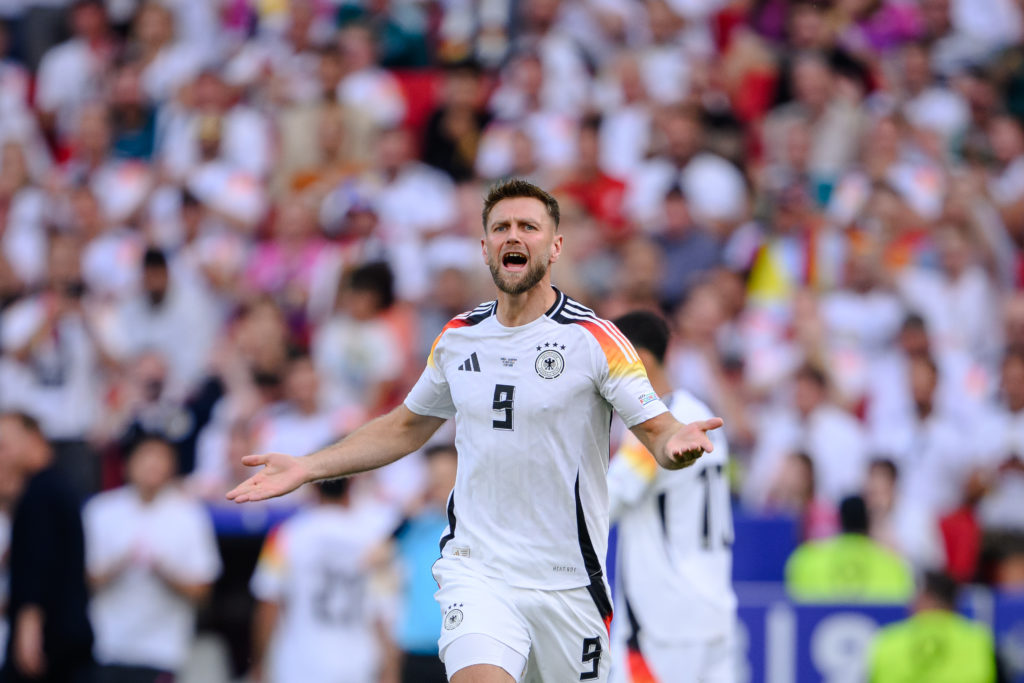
549 363
453 619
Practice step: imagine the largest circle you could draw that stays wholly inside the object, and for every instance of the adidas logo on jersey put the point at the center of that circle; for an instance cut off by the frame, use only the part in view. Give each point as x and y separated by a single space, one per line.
471 364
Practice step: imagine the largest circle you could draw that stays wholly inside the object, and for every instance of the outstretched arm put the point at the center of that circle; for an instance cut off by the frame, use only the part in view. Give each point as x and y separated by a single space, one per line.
676 445
377 443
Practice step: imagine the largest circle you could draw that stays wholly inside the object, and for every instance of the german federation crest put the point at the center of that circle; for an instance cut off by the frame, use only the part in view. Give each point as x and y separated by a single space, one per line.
549 364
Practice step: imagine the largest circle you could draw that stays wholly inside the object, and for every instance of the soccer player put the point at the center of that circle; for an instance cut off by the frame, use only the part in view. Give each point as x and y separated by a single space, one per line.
675 607
531 379
317 617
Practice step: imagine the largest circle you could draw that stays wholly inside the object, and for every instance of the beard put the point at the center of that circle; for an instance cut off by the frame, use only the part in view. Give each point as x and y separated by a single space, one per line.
530 277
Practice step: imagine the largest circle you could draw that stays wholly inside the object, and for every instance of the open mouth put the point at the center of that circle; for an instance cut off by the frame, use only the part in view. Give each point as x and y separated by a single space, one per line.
514 260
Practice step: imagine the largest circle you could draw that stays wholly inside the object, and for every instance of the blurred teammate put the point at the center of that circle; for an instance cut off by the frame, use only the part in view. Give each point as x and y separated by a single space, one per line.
316 619
675 607
531 380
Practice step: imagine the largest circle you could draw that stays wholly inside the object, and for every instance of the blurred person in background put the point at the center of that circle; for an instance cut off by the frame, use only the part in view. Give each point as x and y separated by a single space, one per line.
598 193
1003 461
152 559
11 483
675 538
415 203
364 85
71 74
935 644
636 280
694 359
284 266
413 548
831 436
318 617
689 249
321 136
160 316
23 221
157 44
793 492
880 496
957 301
51 362
305 418
51 639
452 134
356 351
934 460
850 567
133 116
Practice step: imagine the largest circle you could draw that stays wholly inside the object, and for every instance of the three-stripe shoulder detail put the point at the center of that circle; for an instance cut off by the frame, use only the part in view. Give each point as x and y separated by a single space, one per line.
478 314
572 312
469 318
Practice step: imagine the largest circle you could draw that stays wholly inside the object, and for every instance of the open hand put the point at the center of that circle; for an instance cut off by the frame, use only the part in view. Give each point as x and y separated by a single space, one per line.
690 442
281 474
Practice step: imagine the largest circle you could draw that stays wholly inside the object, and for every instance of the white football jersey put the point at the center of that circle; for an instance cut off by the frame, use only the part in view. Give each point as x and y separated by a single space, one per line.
315 565
674 557
532 407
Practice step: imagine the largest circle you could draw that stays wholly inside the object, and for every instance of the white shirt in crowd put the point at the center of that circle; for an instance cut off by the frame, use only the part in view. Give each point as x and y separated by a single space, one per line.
58 384
70 75
1003 436
832 438
137 618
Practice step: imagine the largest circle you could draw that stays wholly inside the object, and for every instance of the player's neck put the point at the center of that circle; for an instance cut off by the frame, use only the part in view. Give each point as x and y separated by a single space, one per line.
519 309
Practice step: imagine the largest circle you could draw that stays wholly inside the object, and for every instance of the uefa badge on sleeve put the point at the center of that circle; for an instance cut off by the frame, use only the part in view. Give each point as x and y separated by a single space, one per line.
549 363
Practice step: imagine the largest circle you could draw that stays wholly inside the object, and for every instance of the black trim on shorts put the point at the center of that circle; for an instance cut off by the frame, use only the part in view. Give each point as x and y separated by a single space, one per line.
591 562
451 522
661 514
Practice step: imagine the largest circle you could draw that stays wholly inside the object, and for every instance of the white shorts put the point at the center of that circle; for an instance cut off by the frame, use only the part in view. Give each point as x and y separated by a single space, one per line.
657 661
560 635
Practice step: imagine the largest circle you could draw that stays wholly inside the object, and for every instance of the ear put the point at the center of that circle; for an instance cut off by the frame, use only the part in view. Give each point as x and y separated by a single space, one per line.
483 250
556 249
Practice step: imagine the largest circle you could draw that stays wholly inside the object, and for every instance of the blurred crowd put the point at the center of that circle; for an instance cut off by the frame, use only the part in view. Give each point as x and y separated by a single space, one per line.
238 225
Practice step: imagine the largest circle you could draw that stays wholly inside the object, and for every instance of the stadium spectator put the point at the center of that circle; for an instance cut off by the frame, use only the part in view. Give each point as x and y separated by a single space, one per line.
51 638
163 313
1003 433
452 134
793 492
832 438
960 650
71 74
151 557
51 362
849 567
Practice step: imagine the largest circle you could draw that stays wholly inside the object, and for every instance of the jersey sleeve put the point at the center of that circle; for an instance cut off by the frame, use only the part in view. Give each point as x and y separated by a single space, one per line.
267 583
621 377
431 395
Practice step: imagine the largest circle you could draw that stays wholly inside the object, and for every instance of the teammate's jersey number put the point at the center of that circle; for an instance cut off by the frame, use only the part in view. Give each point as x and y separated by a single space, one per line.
716 520
339 596
504 397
